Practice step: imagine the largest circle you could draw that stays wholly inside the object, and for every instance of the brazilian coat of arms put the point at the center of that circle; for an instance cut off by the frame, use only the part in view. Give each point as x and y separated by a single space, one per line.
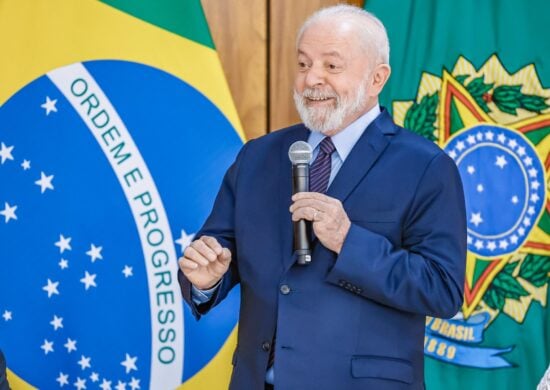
495 126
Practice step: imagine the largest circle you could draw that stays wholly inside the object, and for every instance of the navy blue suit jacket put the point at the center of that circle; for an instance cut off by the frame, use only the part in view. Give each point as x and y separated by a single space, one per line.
353 320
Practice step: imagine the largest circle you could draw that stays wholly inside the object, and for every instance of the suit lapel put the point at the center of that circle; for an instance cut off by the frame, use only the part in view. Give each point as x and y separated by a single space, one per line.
364 154
285 194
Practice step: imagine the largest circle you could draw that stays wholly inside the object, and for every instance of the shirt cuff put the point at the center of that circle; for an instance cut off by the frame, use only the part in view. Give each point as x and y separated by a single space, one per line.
202 296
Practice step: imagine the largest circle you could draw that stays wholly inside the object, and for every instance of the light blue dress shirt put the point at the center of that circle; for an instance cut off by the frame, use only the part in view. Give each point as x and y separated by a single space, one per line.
344 142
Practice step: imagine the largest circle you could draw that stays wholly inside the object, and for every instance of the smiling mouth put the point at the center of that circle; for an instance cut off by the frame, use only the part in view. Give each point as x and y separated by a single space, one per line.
318 99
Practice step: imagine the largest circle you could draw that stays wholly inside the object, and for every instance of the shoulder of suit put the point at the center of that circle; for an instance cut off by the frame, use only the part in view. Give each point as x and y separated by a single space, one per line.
278 135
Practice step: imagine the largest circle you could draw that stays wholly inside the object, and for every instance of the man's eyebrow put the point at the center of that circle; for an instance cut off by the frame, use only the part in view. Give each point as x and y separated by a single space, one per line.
332 53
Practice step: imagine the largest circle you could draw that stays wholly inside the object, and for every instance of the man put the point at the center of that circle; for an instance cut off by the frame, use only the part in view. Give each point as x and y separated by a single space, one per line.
389 232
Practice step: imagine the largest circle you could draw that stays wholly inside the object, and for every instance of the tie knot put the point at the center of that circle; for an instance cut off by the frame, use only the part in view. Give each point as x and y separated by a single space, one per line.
327 146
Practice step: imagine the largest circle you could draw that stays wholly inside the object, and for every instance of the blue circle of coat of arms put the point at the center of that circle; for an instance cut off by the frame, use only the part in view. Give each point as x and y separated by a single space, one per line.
504 180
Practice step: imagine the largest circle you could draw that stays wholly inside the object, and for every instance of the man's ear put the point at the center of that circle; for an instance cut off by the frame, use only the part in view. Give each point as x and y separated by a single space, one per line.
380 75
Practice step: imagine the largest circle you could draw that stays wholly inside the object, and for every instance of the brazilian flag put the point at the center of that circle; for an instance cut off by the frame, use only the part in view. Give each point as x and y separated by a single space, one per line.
474 77
116 127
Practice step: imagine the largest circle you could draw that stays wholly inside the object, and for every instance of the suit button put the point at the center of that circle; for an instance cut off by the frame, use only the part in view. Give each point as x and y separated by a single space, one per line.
266 346
285 289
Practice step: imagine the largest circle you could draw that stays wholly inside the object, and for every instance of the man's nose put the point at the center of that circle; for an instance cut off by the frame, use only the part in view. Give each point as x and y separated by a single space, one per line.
315 77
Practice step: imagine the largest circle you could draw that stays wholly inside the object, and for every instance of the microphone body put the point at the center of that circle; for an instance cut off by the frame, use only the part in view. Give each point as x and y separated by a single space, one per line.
300 154
302 228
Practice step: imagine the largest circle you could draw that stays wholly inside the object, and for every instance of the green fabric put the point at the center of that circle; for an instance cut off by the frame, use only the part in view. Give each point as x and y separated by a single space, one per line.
429 36
182 17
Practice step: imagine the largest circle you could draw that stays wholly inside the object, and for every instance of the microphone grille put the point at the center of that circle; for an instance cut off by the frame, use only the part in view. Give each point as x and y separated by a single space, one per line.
300 152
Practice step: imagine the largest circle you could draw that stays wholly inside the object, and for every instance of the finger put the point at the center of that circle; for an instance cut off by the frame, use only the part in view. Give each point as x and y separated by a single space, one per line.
311 203
311 195
186 264
212 244
192 254
307 213
225 257
204 250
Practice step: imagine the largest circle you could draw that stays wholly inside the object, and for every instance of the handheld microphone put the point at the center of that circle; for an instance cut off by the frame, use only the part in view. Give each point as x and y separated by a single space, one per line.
300 154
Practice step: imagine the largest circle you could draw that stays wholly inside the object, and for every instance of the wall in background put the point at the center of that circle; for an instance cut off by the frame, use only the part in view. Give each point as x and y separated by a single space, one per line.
255 40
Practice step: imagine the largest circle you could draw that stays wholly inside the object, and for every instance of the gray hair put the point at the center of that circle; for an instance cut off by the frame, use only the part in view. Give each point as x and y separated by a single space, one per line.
371 31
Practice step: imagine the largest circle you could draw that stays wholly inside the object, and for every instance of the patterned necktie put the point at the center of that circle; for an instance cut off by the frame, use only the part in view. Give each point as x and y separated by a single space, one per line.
319 172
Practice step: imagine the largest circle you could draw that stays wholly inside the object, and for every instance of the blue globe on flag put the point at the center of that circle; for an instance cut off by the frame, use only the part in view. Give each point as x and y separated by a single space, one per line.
107 169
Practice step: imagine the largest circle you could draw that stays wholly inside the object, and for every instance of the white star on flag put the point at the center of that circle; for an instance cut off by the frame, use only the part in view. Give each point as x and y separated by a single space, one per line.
95 252
479 188
57 322
80 384
63 264
514 239
47 346
134 384
84 362
89 280
471 139
129 363
479 244
534 198
489 135
63 379
479 136
501 138
51 288
521 151
94 377
476 219
8 212
501 162
460 146
70 345
121 385
63 243
127 271
533 172
49 105
503 244
515 199
528 161
513 143
5 153
184 240
471 169
491 245
521 231
7 315
531 210
105 385
535 185
45 182
26 165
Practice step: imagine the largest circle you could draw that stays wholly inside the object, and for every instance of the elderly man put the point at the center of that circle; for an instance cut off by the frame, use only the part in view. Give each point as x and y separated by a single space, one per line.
388 218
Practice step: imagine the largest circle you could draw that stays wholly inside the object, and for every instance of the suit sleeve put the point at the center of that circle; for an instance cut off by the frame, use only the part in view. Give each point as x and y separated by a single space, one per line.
220 225
426 273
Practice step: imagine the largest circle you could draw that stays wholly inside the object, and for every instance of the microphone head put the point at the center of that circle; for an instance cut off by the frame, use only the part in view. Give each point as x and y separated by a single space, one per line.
300 152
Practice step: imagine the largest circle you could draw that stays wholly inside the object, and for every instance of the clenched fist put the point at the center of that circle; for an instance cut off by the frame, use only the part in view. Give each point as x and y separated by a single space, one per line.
204 262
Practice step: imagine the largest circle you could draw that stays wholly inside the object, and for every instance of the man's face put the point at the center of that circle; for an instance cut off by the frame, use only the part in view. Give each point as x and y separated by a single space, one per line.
330 90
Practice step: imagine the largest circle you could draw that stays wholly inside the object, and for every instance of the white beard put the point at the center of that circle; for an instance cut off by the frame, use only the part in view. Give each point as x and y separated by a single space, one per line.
329 118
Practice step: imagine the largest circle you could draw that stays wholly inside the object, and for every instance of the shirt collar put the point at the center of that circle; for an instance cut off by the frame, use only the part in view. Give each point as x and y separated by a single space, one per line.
346 139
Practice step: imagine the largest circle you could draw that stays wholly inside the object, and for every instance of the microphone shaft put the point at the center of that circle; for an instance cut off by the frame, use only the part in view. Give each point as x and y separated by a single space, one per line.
302 228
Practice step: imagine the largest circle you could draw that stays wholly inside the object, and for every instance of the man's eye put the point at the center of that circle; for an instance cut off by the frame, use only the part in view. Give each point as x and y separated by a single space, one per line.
302 65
